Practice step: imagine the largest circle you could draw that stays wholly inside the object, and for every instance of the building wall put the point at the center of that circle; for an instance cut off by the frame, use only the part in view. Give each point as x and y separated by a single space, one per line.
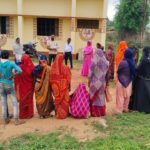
47 7
90 8
8 6
62 9
11 38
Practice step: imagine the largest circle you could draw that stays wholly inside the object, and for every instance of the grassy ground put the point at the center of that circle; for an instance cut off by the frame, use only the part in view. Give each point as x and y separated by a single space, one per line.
130 131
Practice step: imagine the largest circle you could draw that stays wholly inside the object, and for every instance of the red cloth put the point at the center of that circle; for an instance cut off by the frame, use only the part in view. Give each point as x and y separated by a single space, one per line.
97 111
60 78
24 88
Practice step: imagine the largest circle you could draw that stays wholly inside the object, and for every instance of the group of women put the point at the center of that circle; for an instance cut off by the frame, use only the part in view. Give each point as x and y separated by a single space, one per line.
51 84
132 78
132 88
47 84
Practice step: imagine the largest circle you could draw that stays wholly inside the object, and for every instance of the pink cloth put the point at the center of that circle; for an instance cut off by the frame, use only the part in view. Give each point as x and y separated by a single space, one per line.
122 97
88 54
80 102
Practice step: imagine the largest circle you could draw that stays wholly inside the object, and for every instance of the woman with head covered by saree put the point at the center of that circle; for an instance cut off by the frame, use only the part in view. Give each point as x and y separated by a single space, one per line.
120 52
60 78
141 89
97 83
25 88
110 56
88 54
126 74
43 92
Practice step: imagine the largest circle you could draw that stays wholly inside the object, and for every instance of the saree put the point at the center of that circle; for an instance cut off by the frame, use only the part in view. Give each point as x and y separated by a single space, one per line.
60 78
43 93
97 83
88 54
24 88
80 102
110 56
126 73
140 99
120 52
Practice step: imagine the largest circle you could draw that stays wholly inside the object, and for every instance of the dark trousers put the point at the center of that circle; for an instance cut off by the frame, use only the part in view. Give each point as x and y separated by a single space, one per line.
68 55
51 58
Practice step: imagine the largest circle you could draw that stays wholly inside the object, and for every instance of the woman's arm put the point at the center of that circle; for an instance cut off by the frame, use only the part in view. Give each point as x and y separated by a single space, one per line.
17 69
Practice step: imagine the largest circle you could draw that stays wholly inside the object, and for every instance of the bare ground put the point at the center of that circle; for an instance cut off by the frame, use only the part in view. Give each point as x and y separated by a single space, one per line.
80 128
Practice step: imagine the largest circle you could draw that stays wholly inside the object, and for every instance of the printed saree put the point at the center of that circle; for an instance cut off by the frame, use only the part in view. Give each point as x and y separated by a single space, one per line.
60 78
97 83
43 94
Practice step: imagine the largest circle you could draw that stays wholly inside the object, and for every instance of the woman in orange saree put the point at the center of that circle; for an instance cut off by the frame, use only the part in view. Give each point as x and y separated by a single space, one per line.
60 78
120 52
43 91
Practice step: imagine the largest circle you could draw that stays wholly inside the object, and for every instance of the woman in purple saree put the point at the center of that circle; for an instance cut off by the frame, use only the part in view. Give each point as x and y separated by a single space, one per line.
97 82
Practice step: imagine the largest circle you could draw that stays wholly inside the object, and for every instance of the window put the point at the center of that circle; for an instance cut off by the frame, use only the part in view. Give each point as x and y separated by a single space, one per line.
47 27
88 24
4 25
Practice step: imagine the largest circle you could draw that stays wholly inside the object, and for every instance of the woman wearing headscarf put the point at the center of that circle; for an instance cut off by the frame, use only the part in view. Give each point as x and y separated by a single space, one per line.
97 83
43 91
141 90
25 88
60 78
88 54
125 74
120 52
110 56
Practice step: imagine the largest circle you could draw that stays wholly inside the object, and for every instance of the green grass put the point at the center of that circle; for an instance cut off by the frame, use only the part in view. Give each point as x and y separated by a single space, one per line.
130 131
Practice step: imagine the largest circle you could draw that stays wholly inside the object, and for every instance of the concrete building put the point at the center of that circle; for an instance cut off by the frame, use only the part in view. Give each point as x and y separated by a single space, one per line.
37 20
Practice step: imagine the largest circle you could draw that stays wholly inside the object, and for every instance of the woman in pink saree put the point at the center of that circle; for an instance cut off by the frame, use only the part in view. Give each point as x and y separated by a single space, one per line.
88 54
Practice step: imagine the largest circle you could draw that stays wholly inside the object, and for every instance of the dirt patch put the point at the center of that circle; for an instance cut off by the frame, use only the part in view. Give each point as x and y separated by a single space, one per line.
80 128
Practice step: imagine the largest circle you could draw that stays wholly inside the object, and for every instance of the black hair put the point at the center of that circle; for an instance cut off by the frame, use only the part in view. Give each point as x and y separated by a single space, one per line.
4 54
17 38
68 40
99 45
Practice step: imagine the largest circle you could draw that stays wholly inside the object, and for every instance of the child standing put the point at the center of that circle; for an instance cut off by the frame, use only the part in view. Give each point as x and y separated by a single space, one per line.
6 86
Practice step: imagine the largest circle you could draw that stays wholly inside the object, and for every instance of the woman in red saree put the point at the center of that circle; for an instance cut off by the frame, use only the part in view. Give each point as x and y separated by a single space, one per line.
60 78
24 88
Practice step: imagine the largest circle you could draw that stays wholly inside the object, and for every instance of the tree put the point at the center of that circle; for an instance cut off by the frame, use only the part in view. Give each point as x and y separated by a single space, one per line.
131 17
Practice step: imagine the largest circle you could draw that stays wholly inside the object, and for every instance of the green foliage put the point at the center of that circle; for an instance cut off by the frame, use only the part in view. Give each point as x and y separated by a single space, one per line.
110 25
130 15
1 147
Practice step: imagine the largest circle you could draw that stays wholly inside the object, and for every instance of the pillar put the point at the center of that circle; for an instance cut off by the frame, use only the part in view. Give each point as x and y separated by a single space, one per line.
20 18
104 22
73 23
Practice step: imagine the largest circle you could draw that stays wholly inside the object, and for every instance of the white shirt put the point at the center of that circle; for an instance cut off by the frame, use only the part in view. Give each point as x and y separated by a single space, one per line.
18 49
68 47
53 45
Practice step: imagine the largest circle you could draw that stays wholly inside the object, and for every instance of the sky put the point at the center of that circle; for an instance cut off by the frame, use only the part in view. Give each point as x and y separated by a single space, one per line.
111 8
